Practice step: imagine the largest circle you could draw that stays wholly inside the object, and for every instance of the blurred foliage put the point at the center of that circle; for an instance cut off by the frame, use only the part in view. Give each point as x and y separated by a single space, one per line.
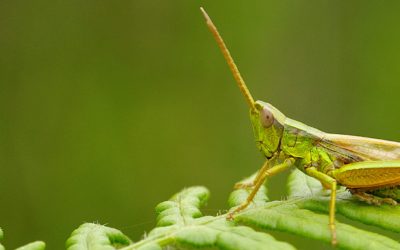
101 100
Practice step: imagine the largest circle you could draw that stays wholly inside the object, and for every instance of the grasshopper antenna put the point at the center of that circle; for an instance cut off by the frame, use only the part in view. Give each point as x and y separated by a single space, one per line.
235 71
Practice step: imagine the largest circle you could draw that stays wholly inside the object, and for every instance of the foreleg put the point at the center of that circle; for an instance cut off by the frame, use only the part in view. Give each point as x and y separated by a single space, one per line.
266 172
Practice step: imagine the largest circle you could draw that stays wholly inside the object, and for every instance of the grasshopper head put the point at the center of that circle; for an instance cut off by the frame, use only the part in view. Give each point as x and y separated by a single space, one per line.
268 126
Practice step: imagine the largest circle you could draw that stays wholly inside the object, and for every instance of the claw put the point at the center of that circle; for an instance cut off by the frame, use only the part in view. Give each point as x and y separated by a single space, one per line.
230 216
243 206
389 201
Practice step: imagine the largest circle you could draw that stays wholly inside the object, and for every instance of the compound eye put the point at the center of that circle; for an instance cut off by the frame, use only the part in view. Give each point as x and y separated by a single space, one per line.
267 118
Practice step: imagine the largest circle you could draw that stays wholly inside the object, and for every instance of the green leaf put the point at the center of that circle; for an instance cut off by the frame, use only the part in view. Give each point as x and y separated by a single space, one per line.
312 196
183 207
150 246
37 245
384 216
287 217
90 236
180 223
1 237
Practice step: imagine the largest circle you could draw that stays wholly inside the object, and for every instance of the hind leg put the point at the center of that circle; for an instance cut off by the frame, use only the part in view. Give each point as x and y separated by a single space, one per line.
372 199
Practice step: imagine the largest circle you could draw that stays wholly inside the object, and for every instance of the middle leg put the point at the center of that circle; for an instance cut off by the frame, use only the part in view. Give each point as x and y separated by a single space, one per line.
330 183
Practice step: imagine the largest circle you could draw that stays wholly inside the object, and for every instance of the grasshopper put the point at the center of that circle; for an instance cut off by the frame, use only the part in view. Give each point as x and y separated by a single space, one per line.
368 168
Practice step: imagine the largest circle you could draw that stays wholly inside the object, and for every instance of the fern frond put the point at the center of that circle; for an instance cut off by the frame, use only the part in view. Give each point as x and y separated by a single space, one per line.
384 216
90 236
180 223
1 237
37 245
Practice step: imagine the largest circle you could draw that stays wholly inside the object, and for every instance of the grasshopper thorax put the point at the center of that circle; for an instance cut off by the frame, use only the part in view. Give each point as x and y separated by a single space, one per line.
268 125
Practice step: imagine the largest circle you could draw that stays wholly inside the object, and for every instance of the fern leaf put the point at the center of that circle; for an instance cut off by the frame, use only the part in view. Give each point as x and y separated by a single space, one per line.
37 245
180 223
384 216
90 236
182 208
287 217
1 237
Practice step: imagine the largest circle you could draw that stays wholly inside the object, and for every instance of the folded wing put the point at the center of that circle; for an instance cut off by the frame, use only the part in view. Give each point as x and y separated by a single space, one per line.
358 148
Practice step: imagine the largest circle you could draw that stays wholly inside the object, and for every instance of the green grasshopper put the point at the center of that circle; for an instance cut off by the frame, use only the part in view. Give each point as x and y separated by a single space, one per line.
368 168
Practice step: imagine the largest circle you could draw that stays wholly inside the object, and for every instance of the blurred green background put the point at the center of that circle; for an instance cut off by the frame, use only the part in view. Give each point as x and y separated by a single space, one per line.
109 107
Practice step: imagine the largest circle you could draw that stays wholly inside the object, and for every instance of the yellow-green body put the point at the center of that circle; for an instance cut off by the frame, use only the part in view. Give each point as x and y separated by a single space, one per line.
370 165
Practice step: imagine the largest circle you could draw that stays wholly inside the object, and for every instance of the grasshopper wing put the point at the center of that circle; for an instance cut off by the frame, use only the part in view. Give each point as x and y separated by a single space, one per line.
369 174
356 148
